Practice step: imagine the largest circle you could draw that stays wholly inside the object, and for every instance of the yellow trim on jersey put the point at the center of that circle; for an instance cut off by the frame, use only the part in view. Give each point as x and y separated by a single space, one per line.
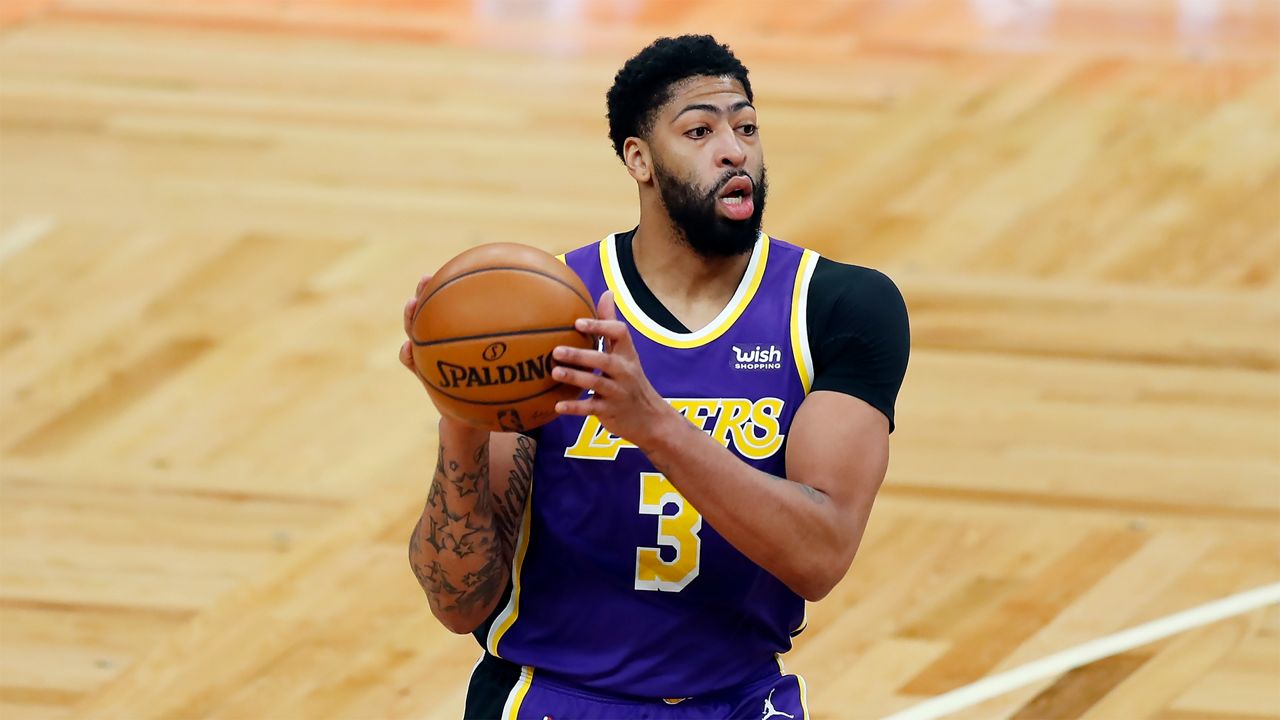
804 622
804 690
505 620
516 699
560 257
655 332
799 319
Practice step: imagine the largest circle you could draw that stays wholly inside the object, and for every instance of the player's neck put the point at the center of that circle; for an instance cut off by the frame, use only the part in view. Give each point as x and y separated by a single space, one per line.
692 287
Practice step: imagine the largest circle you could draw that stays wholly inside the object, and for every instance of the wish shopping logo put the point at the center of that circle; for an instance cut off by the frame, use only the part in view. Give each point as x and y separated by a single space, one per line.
757 356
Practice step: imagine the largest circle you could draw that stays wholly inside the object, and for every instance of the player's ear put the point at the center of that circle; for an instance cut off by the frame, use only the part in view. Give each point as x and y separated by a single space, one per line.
635 153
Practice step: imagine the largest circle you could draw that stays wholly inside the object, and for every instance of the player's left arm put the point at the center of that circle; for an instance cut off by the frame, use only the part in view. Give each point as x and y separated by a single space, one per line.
804 529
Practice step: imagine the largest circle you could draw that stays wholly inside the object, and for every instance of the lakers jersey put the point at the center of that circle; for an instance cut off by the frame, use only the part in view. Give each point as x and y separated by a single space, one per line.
618 584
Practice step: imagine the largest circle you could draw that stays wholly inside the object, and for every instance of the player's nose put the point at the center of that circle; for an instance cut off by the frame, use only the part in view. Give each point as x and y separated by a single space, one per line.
730 151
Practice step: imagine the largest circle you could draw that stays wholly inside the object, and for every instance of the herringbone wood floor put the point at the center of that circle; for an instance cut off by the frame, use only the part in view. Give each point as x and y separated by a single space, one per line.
211 212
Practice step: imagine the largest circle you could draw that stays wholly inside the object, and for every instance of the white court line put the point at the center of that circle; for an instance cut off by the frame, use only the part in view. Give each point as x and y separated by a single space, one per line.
1079 655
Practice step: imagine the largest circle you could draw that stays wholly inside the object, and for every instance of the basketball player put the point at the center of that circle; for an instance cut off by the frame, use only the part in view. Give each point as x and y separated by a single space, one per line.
649 552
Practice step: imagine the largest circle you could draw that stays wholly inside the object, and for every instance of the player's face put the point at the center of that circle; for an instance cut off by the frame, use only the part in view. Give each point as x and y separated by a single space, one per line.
708 165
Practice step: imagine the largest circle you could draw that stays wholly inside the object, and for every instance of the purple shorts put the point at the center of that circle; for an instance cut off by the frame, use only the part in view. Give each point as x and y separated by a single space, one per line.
533 696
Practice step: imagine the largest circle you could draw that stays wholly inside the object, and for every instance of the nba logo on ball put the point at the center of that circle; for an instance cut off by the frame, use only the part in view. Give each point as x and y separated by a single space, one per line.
509 420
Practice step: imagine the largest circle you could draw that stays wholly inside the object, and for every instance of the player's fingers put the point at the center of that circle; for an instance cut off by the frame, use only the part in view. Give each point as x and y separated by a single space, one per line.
582 378
406 359
590 406
422 282
409 307
584 358
605 308
613 331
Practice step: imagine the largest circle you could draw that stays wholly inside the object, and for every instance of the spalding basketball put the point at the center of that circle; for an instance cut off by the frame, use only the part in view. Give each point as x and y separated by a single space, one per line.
483 333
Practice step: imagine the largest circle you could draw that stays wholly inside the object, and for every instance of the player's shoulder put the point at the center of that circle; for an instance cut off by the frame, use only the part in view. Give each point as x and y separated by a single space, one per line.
845 298
842 292
864 278
853 281
777 243
842 281
590 250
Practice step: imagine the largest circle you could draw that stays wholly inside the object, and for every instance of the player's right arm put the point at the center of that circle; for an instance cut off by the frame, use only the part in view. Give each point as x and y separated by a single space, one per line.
462 545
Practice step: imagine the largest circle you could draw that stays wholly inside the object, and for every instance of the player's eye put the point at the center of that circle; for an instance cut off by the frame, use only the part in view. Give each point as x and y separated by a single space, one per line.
748 129
699 132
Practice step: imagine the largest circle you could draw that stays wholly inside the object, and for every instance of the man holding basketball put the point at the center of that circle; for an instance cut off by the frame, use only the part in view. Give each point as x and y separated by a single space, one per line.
648 553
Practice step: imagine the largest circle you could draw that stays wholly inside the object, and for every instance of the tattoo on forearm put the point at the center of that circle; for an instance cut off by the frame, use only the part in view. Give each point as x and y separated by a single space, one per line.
484 503
814 494
435 496
465 483
440 470
508 509
455 549
488 581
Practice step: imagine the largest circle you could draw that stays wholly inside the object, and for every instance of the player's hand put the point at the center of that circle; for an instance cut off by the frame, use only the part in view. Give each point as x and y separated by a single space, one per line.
406 349
622 397
449 426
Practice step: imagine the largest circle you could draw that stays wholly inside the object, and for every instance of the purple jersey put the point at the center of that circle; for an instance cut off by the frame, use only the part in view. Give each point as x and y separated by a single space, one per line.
619 585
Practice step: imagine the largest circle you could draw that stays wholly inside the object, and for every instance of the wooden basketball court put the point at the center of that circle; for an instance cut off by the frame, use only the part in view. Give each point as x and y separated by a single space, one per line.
212 211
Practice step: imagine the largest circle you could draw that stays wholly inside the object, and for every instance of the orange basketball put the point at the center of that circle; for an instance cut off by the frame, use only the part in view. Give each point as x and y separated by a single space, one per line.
484 330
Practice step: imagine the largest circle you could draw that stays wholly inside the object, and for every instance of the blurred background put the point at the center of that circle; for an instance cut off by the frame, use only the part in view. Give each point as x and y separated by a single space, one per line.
212 211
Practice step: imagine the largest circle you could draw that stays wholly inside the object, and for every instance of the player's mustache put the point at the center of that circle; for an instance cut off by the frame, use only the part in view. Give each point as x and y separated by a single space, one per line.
726 177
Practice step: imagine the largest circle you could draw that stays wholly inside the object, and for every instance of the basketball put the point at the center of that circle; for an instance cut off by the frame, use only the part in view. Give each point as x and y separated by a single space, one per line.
484 329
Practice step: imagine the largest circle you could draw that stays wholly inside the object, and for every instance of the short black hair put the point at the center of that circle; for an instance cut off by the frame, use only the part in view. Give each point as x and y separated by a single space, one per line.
644 83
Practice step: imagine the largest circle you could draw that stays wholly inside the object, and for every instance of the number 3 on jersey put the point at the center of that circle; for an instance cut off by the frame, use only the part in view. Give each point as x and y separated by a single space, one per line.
678 531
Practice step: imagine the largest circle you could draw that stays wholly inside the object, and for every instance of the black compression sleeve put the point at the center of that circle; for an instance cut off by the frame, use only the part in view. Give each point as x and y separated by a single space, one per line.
858 334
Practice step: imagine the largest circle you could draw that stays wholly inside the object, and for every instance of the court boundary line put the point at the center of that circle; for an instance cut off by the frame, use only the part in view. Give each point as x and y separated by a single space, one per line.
1091 651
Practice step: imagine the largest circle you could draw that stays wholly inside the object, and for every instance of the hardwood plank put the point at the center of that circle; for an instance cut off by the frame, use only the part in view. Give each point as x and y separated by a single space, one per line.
1152 686
1017 618
1074 693
210 213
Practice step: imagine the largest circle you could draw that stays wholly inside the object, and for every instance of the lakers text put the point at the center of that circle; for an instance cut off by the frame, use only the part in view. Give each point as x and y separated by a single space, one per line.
752 426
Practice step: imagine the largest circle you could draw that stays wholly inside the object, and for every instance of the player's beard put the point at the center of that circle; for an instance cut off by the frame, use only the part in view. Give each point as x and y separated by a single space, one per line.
694 215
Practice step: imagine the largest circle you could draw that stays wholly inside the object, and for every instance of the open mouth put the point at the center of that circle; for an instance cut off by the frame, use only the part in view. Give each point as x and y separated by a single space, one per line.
735 198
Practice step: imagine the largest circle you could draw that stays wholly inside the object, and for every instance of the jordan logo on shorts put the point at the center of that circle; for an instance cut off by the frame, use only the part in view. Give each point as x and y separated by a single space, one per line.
770 711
